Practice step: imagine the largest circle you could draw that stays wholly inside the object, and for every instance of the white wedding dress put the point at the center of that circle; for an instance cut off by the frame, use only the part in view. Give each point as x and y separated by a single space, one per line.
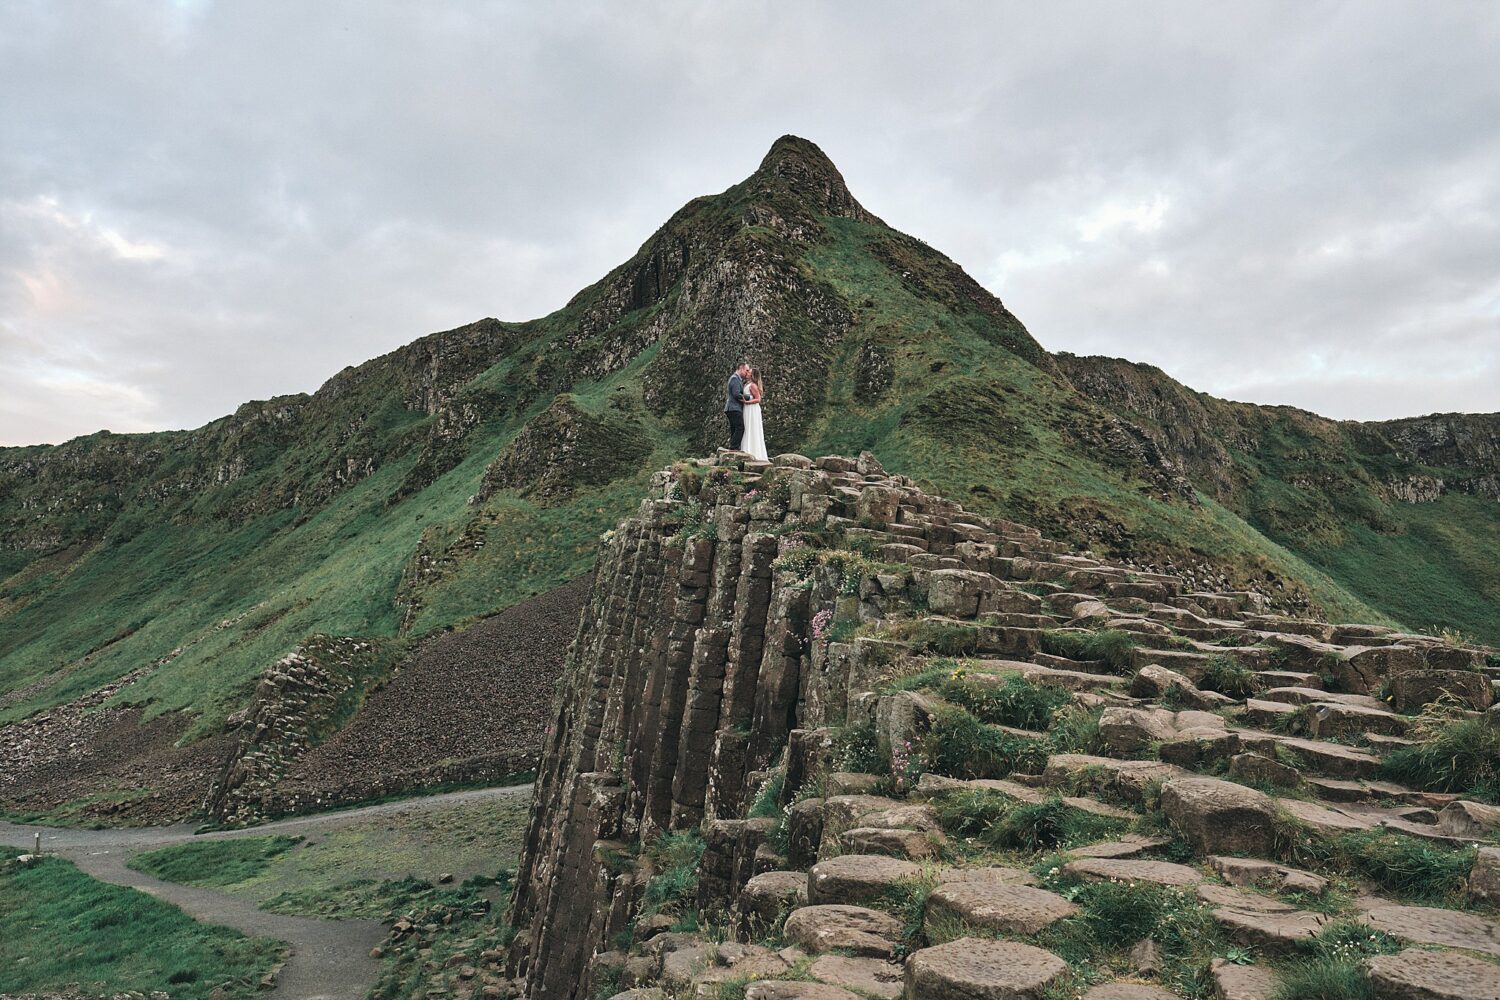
754 441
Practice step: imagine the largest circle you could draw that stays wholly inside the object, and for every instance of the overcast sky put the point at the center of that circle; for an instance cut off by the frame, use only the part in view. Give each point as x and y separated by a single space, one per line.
203 203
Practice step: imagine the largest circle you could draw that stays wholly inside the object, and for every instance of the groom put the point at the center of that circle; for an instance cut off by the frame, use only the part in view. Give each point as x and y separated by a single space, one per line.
734 405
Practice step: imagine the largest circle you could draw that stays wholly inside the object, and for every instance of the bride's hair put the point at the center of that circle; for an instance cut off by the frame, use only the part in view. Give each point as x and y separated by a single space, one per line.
755 377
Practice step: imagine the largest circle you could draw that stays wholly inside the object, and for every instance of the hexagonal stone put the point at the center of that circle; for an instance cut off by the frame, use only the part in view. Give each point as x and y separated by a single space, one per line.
1014 909
1126 847
1134 870
975 969
1241 982
909 844
856 878
1272 931
997 874
1415 688
1467 819
1484 880
852 929
1248 872
1433 975
766 896
777 989
874 976
1128 991
1220 817
1434 925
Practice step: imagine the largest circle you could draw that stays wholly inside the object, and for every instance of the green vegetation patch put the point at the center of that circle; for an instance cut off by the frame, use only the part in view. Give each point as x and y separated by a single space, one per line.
1009 824
1407 867
1458 756
62 928
1112 646
214 862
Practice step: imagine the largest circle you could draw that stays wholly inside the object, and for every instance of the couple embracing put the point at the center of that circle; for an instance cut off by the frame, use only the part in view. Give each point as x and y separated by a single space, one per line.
742 408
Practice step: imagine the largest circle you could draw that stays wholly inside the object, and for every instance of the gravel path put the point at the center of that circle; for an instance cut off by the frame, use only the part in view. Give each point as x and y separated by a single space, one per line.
330 959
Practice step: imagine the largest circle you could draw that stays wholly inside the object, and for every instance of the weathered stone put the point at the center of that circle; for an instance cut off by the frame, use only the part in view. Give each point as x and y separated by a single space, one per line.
1414 974
1125 779
872 976
1432 925
1130 730
1241 982
804 827
1254 767
785 989
1473 820
854 930
1324 820
914 845
1134 870
1220 817
975 969
857 878
877 504
1274 933
1484 879
767 896
1254 873
1156 681
1413 690
1012 909
1127 846
960 593
998 874
1128 991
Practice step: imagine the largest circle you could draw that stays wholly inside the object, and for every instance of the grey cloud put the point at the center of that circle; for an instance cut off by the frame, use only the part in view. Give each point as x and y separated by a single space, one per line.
202 203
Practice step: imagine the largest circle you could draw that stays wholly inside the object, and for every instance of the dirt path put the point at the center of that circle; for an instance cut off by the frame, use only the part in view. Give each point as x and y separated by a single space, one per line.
330 959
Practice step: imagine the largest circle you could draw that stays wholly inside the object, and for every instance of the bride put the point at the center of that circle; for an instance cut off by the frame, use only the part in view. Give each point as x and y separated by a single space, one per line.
754 442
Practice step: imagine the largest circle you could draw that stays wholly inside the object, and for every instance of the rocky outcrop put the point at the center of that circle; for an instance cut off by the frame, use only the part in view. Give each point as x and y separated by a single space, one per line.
734 685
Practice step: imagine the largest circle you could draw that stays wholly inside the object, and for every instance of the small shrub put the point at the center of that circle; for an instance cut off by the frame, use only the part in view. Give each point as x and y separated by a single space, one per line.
1410 868
960 746
856 748
1228 676
1009 824
946 638
769 795
1016 702
1075 729
676 857
1458 756
1323 979
1113 646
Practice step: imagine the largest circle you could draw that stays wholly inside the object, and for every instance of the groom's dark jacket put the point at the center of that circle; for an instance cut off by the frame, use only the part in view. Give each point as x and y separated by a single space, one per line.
734 395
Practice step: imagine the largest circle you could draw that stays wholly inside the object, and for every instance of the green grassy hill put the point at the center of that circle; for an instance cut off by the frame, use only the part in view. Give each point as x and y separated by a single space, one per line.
473 468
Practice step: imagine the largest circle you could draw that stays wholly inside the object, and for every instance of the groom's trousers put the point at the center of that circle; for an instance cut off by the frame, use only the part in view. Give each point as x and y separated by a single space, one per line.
736 428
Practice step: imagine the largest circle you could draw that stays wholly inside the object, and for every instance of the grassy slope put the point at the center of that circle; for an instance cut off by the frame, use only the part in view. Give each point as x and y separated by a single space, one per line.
1001 444
64 928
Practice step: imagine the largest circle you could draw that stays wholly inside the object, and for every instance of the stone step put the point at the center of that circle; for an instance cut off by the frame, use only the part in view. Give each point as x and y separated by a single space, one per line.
979 968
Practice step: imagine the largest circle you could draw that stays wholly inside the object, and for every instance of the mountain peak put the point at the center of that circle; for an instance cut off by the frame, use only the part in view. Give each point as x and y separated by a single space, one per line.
803 168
